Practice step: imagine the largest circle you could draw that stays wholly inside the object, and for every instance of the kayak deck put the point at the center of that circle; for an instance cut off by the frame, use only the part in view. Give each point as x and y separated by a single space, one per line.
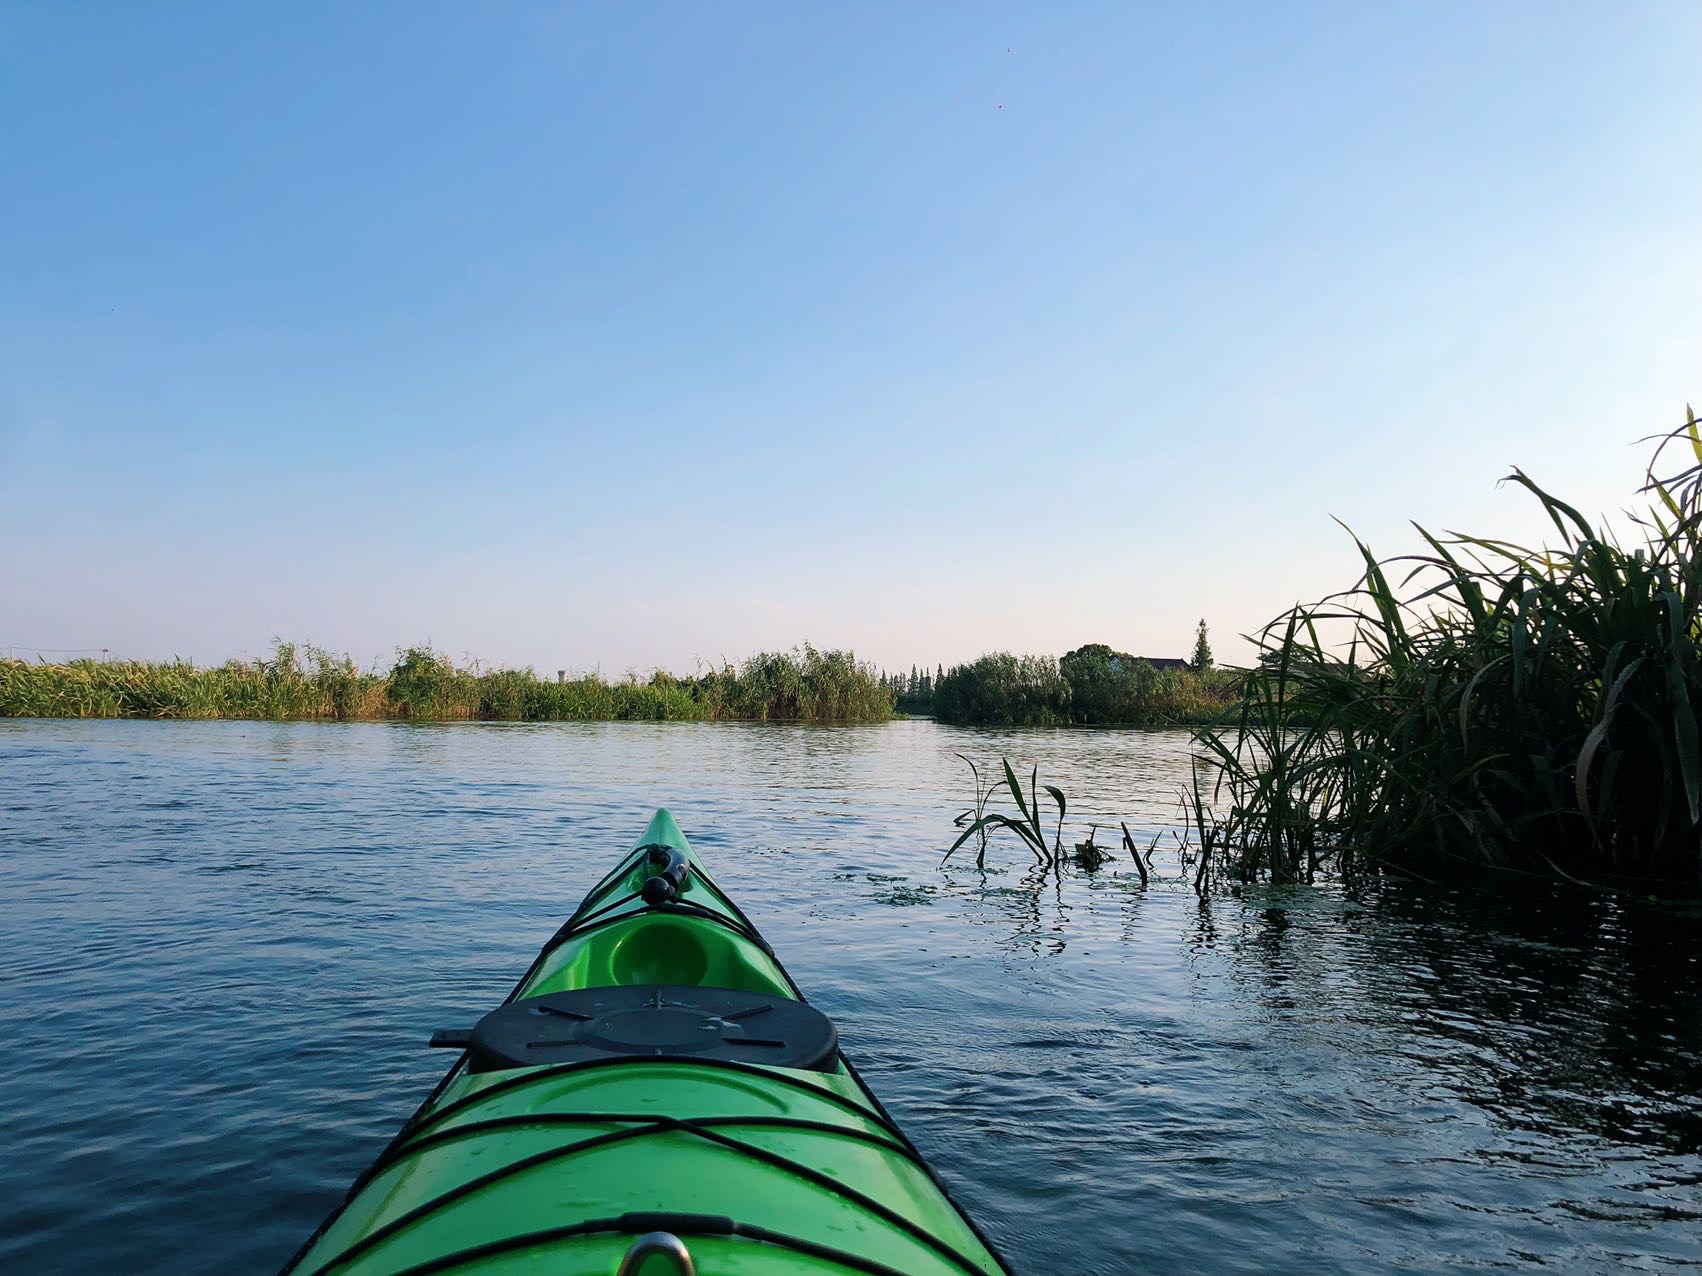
651 1109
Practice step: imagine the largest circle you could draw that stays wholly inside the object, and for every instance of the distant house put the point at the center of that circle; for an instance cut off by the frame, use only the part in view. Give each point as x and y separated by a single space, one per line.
1157 662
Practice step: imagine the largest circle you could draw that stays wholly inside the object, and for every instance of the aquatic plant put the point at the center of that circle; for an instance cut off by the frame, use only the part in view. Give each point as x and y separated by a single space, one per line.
1506 706
1028 828
1143 863
1089 854
977 820
976 814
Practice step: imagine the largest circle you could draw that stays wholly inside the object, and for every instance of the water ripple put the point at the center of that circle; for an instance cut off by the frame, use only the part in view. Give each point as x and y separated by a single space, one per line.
228 942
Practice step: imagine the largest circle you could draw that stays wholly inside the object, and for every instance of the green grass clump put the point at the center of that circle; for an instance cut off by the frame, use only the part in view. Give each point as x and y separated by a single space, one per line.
425 685
1521 708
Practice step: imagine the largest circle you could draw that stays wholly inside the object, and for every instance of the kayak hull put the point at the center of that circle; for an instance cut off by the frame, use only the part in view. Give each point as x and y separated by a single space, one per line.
559 1167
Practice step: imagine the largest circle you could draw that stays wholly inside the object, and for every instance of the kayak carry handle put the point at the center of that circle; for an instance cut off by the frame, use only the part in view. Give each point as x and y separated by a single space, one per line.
657 1245
669 869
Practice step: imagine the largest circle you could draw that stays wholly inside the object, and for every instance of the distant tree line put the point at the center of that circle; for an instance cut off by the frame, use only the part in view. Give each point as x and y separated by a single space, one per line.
913 693
1092 685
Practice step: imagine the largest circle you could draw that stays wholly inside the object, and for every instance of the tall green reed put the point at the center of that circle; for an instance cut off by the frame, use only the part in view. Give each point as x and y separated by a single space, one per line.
1483 703
1028 828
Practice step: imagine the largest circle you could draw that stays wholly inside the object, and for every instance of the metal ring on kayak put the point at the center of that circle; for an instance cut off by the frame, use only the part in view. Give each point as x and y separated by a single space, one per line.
657 1245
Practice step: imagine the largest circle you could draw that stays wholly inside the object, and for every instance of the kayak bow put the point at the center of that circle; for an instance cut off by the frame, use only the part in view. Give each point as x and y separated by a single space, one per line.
655 1096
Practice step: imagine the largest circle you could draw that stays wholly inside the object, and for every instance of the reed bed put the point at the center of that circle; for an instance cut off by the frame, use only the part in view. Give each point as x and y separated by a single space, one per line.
310 683
1490 705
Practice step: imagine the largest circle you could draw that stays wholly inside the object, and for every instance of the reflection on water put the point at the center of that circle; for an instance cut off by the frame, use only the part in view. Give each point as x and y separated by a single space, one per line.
227 942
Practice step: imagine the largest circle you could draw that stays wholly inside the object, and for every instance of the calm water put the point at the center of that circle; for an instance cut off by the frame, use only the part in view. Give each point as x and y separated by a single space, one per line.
226 944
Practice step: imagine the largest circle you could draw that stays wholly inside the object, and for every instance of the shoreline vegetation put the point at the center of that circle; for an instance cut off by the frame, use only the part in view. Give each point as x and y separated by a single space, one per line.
1090 686
311 684
1479 705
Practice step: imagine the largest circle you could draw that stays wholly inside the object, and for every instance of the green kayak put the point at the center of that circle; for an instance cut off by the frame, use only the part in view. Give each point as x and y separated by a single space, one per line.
655 1098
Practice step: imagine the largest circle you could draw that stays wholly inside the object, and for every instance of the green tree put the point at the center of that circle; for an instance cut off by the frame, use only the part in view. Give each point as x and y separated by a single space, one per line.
1000 689
1201 659
1094 675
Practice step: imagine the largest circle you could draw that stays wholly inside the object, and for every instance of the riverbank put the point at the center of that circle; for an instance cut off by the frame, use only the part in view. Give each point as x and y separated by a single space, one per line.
307 683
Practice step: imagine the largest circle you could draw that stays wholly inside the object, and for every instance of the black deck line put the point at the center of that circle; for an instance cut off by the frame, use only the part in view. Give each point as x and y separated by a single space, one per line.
654 1125
419 1117
521 1079
678 1224
439 1138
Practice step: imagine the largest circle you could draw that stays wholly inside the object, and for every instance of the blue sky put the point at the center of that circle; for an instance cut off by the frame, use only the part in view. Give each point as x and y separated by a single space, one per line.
622 336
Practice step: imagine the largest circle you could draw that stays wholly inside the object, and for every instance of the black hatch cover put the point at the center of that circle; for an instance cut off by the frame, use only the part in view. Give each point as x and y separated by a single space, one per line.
655 1019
